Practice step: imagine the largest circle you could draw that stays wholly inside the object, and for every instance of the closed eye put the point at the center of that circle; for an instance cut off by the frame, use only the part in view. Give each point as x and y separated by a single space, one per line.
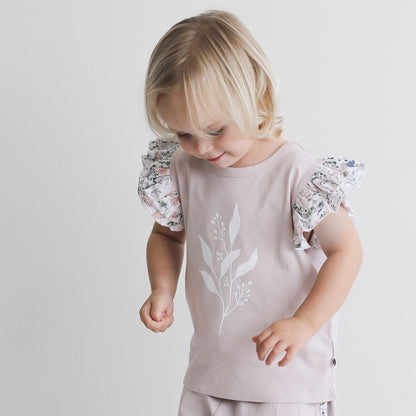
183 135
217 133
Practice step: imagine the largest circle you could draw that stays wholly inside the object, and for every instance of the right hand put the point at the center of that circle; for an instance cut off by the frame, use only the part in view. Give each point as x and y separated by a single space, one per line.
157 312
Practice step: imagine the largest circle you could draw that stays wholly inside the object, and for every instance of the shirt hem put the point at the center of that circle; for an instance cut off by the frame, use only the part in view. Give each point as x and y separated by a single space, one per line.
292 399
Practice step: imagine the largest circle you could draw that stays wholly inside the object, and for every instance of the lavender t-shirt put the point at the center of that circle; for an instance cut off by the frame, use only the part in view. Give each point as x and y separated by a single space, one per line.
243 273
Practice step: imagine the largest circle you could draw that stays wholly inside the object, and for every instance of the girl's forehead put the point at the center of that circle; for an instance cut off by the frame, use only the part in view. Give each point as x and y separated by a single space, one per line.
178 114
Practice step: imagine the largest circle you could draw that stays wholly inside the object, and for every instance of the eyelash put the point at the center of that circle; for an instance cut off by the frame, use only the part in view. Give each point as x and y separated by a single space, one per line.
182 135
213 134
218 132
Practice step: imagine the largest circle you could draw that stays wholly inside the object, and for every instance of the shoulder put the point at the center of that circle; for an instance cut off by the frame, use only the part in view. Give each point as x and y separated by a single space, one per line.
293 156
297 163
297 153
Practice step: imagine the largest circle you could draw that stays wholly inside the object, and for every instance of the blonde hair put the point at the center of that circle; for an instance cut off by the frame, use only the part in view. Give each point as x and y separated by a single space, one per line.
212 58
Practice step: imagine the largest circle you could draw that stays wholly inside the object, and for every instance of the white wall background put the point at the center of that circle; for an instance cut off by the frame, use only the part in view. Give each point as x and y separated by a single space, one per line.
73 233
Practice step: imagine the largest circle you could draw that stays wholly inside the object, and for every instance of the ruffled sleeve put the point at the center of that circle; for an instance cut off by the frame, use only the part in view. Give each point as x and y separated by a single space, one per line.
322 193
156 189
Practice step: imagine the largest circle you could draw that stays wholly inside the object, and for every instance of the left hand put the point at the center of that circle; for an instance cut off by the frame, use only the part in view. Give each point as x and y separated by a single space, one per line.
288 335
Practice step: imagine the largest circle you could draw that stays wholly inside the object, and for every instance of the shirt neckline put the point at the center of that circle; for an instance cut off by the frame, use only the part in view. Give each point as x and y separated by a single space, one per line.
251 170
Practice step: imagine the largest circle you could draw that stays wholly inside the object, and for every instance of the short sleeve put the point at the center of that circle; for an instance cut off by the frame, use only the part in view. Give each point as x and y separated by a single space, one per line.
324 190
156 189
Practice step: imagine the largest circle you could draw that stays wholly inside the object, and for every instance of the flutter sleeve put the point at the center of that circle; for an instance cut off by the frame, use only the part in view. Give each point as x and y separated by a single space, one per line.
322 192
156 189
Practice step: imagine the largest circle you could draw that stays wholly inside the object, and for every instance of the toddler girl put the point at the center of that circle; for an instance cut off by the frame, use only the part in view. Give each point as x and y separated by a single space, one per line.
271 250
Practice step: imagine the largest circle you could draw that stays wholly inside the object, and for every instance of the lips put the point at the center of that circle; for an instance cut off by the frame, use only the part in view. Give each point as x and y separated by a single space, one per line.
216 159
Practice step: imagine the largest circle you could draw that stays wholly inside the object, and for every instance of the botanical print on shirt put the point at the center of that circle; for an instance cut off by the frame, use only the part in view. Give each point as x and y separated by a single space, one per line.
221 278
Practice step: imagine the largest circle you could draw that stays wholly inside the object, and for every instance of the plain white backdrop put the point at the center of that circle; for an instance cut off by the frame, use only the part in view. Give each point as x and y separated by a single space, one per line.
73 233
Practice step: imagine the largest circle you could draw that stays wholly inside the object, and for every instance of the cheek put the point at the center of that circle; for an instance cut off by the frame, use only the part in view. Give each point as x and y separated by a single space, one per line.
233 142
186 145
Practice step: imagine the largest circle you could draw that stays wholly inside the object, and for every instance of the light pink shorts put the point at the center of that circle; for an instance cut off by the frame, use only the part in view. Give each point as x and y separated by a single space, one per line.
196 404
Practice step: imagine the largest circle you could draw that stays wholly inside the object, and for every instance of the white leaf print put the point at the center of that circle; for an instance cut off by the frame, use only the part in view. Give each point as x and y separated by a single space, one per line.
234 227
206 253
248 265
228 261
209 282
222 279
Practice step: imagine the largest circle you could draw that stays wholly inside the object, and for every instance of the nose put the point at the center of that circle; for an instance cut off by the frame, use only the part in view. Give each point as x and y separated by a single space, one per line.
203 146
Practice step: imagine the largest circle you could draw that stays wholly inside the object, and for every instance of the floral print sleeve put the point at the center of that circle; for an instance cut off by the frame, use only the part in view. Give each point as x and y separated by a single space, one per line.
156 189
323 192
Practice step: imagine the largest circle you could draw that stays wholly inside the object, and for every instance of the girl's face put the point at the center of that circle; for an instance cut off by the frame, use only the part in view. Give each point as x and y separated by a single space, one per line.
223 146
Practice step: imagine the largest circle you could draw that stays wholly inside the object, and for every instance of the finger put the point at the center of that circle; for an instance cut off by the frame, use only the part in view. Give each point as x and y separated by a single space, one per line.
290 353
144 313
257 337
264 347
159 310
260 339
277 351
153 325
167 322
146 318
262 336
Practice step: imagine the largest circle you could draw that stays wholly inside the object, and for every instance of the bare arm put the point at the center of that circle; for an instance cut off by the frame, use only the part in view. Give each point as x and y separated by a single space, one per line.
164 260
340 243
